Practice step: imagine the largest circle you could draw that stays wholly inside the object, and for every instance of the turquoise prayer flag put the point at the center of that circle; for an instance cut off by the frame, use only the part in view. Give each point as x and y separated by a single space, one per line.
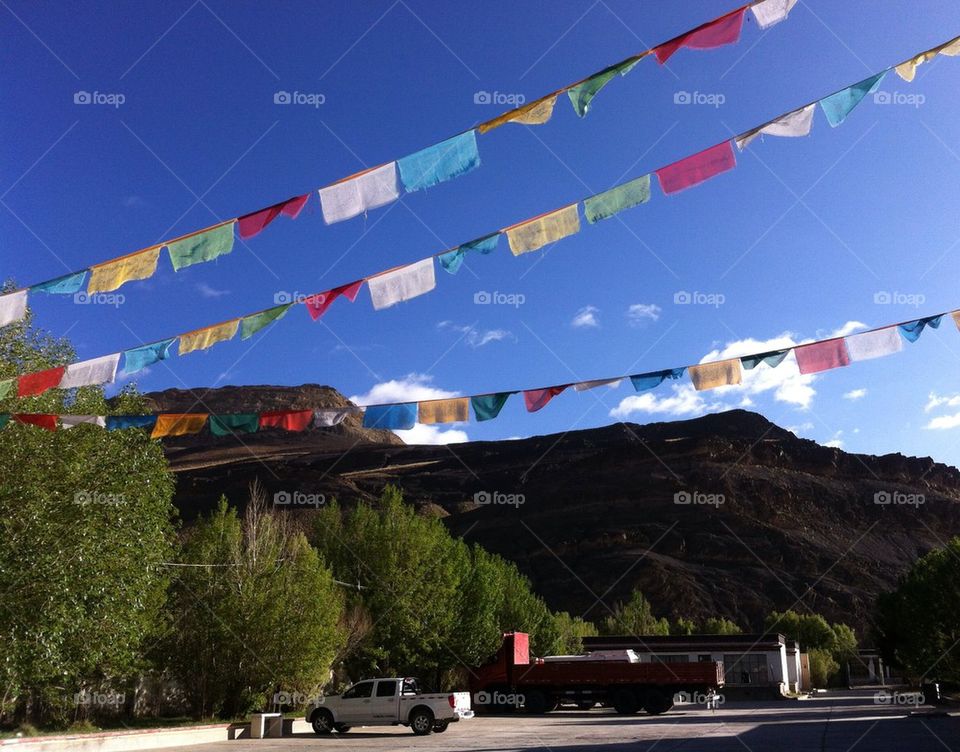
611 202
65 285
250 325
400 417
642 382
583 93
226 425
912 330
115 422
837 106
203 247
449 159
488 406
451 261
141 357
773 358
4 419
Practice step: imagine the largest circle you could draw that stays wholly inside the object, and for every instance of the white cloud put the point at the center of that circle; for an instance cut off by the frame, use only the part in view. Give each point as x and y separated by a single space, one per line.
836 442
476 337
207 291
944 422
855 394
428 434
684 400
586 318
413 387
849 328
934 401
640 312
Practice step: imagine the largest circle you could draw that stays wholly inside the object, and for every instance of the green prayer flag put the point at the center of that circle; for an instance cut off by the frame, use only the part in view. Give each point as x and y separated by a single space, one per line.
4 419
253 324
6 386
582 94
225 425
608 203
203 247
488 406
773 358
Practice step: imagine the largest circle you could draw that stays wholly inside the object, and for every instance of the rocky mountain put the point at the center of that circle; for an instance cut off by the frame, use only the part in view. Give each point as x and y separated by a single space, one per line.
727 514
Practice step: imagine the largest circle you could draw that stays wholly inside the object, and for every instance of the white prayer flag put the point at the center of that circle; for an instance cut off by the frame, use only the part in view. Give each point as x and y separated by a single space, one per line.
356 195
585 385
13 307
332 417
874 344
402 284
771 12
796 123
69 421
90 372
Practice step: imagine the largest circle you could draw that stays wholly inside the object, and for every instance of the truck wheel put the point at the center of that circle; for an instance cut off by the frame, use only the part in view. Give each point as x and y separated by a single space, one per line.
440 727
656 702
625 702
322 721
421 721
536 702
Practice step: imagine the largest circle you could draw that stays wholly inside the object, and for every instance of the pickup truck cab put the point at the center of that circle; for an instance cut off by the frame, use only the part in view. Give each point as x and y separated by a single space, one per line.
388 702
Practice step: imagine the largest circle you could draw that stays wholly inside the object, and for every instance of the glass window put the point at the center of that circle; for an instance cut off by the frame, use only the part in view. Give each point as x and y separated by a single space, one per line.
671 659
363 689
386 688
410 687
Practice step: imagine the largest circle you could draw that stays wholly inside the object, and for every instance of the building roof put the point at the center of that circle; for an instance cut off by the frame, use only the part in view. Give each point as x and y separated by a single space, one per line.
687 643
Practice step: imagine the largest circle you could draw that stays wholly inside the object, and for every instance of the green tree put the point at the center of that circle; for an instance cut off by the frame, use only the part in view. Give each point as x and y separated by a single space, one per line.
828 645
635 617
720 626
919 621
683 627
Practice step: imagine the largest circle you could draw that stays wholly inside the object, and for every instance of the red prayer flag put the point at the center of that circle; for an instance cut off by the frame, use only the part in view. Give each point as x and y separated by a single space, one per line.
291 420
31 384
33 419
318 304
725 30
696 168
251 224
822 356
536 399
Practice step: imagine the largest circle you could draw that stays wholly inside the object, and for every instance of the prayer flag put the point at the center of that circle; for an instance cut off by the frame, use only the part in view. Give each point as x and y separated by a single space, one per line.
227 425
101 370
250 325
611 202
452 260
724 30
773 358
250 225
583 386
13 307
69 421
318 304
770 12
643 381
4 419
583 93
488 406
793 124
874 344
32 384
913 329
822 356
201 339
445 411
140 357
549 228
908 70
444 161
7 387
696 168
65 285
115 422
400 417
327 418
178 424
712 375
112 274
535 113
48 422
402 284
837 106
358 193
204 246
290 420
537 399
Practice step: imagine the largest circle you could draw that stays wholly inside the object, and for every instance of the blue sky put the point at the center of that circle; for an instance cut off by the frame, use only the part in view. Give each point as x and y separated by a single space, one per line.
797 241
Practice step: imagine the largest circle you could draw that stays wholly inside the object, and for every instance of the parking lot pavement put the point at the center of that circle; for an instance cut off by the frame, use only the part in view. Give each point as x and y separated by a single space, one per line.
835 722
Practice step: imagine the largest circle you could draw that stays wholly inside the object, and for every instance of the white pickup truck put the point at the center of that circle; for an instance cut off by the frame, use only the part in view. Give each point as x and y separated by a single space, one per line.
388 702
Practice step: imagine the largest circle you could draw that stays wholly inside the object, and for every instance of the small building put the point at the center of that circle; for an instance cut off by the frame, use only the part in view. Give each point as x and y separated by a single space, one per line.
867 669
749 660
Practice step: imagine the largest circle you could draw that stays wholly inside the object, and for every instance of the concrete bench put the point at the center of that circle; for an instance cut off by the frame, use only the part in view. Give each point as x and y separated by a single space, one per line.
266 725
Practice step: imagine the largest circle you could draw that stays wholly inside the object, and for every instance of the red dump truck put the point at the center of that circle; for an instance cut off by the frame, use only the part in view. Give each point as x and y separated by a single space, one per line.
539 685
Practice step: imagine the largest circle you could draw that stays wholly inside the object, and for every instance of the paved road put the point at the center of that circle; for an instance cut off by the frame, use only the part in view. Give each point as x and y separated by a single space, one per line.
838 722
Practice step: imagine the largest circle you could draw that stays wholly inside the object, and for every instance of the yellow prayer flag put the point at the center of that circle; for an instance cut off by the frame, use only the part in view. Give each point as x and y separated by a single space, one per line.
536 233
112 274
445 411
535 113
908 70
956 318
178 424
712 375
201 339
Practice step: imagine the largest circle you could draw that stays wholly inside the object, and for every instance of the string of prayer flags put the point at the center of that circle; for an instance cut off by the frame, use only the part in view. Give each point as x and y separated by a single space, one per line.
32 384
250 325
913 329
400 417
139 358
771 12
68 284
41 420
318 304
722 31
584 386
402 284
614 201
583 93
455 410
488 406
203 339
696 168
289 420
101 370
441 162
537 399
71 421
908 70
250 225
793 124
112 274
535 113
178 424
837 106
643 381
452 260
13 307
117 422
202 247
719 373
773 358
875 344
355 195
330 417
548 228
227 425
822 356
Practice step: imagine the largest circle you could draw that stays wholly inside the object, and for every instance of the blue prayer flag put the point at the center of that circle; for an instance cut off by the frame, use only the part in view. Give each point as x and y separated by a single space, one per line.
65 285
912 330
141 357
837 106
435 164
130 421
644 381
451 261
400 417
